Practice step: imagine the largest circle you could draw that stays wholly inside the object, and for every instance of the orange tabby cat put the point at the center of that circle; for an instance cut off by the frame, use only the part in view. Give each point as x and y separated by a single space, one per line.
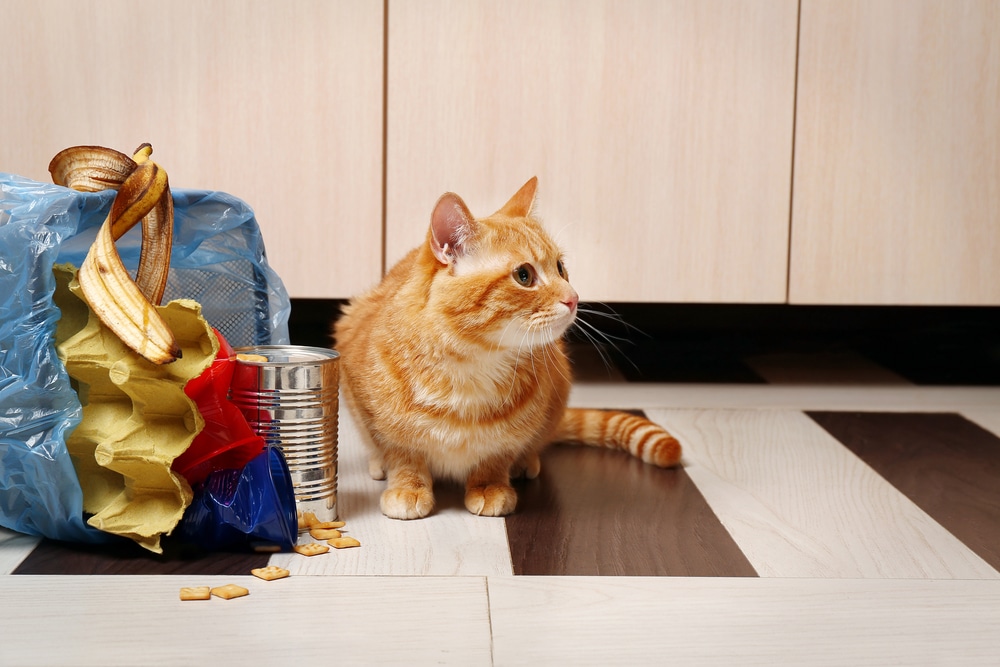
455 367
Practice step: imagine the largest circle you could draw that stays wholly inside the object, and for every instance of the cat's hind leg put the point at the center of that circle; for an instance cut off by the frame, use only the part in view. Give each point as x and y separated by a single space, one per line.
529 466
376 466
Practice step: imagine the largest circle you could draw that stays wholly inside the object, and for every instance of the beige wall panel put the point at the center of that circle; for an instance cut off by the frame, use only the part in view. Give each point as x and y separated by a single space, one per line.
277 103
660 131
897 153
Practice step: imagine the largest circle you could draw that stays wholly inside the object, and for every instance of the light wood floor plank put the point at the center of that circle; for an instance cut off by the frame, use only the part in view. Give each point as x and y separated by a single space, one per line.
800 504
14 548
793 397
729 621
449 542
987 418
114 620
947 465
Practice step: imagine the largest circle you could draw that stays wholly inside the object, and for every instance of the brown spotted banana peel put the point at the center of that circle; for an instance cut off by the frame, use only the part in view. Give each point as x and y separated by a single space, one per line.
157 230
96 168
90 168
124 306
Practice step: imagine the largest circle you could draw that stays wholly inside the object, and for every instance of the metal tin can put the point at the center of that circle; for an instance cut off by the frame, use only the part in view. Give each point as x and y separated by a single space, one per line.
289 396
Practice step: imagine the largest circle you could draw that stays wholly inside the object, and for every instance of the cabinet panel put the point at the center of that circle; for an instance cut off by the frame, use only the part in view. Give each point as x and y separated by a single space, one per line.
897 153
279 104
660 131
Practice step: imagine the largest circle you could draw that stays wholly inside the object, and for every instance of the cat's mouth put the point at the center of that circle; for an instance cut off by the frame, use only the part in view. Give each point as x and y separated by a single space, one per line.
537 329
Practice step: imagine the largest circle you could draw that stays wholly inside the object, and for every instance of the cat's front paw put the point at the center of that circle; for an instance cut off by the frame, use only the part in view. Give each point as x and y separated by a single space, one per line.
399 503
491 500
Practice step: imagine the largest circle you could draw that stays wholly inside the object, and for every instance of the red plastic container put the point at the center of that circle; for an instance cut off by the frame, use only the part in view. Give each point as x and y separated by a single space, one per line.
227 441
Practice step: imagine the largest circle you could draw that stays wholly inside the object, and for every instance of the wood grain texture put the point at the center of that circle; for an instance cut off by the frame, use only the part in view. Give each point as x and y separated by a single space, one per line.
108 621
660 132
742 621
800 504
14 548
279 104
597 512
887 398
944 463
450 541
897 153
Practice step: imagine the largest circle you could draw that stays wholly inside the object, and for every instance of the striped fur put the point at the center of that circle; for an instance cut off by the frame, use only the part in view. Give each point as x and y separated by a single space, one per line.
620 430
455 368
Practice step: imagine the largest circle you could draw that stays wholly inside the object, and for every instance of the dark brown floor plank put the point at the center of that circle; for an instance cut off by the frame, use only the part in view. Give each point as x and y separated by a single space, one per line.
945 464
598 512
51 557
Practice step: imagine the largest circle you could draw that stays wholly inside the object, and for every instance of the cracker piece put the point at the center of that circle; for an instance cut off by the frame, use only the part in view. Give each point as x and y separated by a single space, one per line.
328 524
230 591
196 593
343 542
324 533
311 549
270 573
243 356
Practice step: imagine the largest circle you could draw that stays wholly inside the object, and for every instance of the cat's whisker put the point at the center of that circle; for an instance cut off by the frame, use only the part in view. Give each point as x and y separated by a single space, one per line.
612 315
600 348
503 335
530 335
513 376
607 339
550 356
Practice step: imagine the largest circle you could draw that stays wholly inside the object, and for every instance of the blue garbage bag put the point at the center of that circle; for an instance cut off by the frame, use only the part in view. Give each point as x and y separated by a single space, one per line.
218 259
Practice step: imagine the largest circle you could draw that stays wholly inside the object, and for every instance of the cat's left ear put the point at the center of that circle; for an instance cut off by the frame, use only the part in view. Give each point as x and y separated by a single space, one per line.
522 202
452 228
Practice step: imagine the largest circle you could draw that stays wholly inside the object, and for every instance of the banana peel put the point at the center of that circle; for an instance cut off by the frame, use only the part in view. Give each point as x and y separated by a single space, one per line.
90 168
129 358
125 306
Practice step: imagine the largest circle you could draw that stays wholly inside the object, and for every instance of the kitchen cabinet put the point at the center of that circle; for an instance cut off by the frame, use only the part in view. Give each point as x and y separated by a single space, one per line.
279 104
897 153
661 133
714 151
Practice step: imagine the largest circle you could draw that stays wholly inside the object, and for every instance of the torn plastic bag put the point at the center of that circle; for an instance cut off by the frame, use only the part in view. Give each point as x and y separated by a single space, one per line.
217 259
252 508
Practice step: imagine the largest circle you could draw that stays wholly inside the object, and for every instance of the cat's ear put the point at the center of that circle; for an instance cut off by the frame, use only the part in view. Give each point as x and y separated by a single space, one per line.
522 202
451 228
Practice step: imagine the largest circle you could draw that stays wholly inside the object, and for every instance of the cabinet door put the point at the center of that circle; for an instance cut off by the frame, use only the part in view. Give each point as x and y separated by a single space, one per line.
279 104
897 153
660 132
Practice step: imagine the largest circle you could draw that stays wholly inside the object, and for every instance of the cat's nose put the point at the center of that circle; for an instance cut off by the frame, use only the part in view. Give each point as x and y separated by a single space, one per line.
570 301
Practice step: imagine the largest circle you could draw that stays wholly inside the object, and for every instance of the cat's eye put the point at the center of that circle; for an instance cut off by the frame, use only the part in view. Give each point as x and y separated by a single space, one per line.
525 275
561 268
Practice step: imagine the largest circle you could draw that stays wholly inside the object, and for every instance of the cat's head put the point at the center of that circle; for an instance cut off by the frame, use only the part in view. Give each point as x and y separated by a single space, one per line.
500 279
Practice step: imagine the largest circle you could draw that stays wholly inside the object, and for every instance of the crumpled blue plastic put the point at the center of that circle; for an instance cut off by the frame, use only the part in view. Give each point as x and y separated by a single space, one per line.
235 510
218 259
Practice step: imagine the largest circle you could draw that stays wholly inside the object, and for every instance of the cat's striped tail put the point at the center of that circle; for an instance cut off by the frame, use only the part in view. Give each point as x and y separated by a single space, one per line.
620 430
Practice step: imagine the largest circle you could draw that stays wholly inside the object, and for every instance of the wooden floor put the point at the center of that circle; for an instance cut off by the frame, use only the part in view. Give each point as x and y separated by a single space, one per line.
833 508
